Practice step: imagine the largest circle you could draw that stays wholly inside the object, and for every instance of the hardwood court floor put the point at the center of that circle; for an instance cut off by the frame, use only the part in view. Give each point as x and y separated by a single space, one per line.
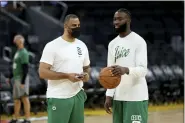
175 116
157 114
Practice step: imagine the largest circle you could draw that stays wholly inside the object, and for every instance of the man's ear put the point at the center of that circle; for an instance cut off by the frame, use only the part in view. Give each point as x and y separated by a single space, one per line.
129 20
65 25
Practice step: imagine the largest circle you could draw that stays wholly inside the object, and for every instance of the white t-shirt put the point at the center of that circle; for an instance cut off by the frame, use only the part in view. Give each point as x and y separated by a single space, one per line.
66 57
131 52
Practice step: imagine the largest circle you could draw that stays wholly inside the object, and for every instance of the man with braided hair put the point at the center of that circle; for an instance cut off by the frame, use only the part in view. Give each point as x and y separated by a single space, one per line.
127 55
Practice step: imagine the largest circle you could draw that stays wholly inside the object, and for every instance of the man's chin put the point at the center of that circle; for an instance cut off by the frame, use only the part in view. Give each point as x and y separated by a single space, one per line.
117 30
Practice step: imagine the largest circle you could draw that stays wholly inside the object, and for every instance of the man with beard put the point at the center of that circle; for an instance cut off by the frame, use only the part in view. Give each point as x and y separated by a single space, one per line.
65 64
127 55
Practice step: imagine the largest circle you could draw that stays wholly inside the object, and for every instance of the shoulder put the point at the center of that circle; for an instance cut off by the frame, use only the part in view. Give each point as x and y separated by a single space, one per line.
24 52
112 42
81 43
138 38
52 44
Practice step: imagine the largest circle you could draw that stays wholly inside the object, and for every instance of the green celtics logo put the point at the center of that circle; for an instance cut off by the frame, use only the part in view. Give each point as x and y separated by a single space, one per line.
121 52
136 118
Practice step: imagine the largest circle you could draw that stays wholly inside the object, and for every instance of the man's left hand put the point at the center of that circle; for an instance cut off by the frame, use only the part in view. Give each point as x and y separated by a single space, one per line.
85 77
118 70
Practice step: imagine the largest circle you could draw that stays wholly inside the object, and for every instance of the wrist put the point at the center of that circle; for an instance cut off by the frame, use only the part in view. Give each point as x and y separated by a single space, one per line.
127 70
109 97
64 75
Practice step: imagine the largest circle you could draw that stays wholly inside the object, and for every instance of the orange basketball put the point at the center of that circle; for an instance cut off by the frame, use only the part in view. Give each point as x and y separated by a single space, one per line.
107 80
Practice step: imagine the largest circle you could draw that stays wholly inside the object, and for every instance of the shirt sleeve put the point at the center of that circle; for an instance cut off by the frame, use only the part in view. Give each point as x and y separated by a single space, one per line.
86 59
110 57
110 62
141 61
24 58
48 55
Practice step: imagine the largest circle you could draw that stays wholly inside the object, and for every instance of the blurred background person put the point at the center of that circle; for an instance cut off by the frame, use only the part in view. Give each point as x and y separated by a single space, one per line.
20 77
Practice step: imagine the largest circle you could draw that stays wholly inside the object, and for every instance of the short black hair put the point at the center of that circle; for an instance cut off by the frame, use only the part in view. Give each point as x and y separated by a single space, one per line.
69 16
125 11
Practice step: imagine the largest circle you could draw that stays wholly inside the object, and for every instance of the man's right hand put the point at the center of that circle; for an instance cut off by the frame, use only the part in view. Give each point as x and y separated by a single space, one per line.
74 77
108 104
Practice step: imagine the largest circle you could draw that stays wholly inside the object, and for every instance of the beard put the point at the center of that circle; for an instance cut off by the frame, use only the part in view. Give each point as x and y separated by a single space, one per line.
122 28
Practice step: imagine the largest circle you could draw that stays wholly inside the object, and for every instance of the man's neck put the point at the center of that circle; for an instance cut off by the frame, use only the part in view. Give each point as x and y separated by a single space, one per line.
68 38
21 47
124 34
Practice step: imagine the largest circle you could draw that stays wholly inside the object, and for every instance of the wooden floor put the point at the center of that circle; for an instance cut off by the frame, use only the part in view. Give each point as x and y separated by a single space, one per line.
154 117
157 114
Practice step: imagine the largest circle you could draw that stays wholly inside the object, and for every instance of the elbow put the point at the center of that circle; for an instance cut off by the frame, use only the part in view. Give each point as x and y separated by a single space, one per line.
144 72
138 72
87 78
41 73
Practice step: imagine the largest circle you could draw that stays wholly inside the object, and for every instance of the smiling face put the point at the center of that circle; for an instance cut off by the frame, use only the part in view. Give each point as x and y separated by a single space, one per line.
121 21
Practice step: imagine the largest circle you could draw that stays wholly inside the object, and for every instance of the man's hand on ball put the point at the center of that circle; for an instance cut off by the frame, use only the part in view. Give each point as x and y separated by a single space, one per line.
118 70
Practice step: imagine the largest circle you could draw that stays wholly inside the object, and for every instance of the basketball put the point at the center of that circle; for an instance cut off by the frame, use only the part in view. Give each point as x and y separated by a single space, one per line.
107 80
